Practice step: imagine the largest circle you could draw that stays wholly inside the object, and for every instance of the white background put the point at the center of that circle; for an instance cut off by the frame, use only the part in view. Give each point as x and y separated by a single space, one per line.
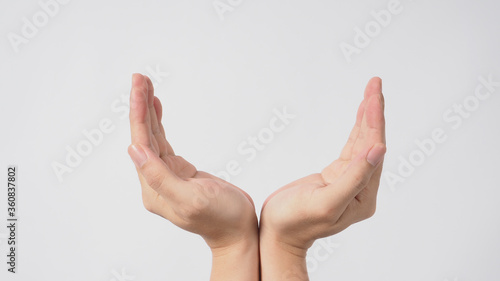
226 73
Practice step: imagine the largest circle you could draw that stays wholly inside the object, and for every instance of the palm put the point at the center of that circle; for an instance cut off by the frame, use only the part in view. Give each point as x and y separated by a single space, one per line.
228 204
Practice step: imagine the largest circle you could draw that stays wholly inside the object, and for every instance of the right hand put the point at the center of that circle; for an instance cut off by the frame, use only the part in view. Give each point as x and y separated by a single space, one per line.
344 193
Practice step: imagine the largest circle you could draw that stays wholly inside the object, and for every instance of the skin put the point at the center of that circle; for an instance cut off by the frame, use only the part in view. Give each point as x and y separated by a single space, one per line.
323 204
193 200
292 218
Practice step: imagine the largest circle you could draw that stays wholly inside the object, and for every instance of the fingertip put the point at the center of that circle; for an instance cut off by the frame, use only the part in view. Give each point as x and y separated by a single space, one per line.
373 87
376 81
148 80
157 102
154 170
136 78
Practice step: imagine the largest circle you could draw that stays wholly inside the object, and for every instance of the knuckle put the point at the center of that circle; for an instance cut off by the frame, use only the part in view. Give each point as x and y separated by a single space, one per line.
156 130
155 181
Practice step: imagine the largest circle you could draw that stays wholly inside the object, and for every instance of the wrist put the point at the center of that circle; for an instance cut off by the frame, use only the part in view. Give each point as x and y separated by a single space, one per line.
282 261
284 242
237 261
236 248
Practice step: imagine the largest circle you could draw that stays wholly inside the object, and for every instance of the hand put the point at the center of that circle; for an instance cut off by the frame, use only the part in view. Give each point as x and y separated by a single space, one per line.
221 213
326 203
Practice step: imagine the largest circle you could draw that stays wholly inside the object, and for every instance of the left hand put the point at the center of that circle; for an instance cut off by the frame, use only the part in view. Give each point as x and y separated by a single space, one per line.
173 188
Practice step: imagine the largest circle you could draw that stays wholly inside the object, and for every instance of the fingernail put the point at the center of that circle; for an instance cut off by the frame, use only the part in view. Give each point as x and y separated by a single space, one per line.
376 154
138 155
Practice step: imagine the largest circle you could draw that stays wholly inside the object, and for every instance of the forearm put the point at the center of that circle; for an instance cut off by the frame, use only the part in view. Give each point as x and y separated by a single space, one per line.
280 262
239 262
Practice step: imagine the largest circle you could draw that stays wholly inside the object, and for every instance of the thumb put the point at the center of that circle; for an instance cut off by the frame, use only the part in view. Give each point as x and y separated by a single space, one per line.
357 175
156 173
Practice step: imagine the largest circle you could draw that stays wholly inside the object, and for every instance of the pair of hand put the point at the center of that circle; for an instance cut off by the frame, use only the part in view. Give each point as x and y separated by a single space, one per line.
292 218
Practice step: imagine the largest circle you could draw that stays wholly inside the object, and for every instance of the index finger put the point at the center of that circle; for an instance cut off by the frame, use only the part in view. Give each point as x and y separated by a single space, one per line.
140 123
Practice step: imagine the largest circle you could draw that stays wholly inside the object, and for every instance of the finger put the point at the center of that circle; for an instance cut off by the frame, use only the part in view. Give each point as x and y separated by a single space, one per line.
159 113
375 124
153 122
355 178
152 111
362 207
375 120
369 194
152 201
382 101
355 212
157 174
373 87
139 116
331 172
372 128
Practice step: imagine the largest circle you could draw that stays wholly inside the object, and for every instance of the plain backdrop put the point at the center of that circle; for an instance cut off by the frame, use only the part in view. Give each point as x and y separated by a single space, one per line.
222 69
